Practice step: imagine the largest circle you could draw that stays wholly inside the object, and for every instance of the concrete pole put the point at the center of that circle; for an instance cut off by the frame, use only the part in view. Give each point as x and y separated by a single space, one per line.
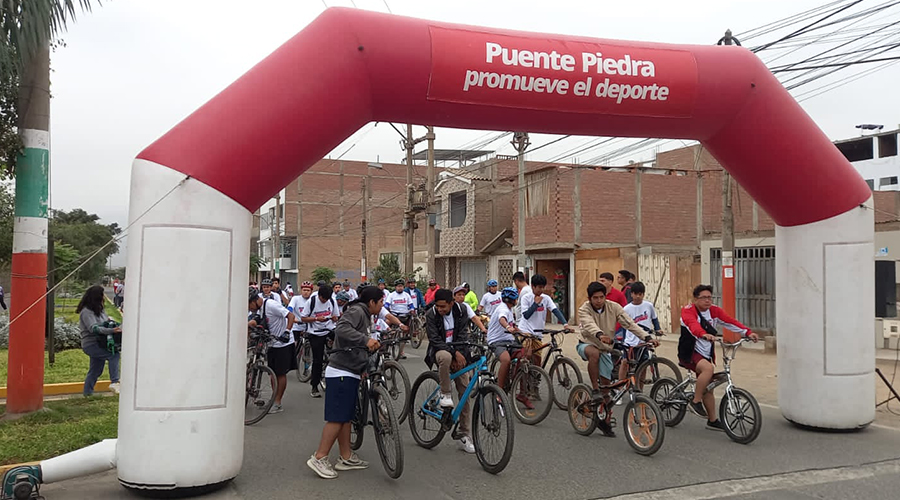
638 216
276 249
25 378
365 209
429 193
520 141
728 289
410 221
299 229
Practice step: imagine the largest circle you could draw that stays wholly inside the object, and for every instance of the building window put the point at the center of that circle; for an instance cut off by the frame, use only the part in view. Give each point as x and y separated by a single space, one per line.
887 181
871 183
887 145
537 194
457 209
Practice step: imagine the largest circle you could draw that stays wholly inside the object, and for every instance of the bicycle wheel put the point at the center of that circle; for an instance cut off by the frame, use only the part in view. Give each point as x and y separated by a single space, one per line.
304 363
358 424
653 369
495 365
387 432
645 427
425 395
396 382
532 395
664 393
740 415
260 394
414 339
564 374
581 412
493 432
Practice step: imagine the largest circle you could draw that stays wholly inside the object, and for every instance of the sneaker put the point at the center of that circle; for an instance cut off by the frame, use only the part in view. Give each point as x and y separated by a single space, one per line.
717 425
314 392
352 463
114 387
446 400
402 356
525 401
322 467
275 409
698 408
606 429
465 444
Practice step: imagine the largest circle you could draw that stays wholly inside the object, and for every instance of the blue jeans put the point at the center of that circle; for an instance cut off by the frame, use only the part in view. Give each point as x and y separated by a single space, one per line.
99 356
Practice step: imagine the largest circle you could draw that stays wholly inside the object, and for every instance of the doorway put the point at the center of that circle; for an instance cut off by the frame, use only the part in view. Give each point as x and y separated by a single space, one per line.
558 274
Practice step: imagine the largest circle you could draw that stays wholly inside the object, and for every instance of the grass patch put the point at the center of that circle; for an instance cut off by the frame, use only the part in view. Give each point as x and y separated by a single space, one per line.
63 426
65 308
70 366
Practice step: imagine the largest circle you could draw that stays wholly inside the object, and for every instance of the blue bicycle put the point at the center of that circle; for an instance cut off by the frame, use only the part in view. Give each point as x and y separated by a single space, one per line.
492 422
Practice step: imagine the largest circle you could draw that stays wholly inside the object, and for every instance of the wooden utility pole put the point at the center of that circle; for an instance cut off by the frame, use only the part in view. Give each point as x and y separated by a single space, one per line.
365 209
520 141
429 199
728 288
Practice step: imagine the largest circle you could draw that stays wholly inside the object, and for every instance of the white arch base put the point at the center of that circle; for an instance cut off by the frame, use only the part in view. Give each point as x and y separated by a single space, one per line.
181 409
825 288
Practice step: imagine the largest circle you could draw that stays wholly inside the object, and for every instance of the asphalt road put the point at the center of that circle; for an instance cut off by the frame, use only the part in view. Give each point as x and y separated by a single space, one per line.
550 461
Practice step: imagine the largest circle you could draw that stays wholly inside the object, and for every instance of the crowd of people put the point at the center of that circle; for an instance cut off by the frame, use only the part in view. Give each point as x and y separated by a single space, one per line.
516 317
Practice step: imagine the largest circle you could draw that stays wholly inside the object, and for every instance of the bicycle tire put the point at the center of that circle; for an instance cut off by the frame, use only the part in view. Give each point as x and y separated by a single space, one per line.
417 417
661 393
653 366
414 340
535 376
384 421
582 414
650 426
304 363
495 366
358 424
755 426
256 378
500 418
563 383
398 390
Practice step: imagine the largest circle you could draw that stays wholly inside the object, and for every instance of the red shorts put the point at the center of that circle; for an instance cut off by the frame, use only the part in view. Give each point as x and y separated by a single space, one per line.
696 357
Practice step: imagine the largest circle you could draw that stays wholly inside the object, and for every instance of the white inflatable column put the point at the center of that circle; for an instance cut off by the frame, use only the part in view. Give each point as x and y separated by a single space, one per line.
181 410
824 294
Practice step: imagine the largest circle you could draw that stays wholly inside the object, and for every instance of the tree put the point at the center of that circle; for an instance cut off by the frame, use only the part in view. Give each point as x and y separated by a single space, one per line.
325 274
256 262
7 205
388 268
84 234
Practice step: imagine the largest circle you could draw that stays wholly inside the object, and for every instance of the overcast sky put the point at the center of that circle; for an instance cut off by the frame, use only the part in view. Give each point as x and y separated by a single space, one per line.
132 69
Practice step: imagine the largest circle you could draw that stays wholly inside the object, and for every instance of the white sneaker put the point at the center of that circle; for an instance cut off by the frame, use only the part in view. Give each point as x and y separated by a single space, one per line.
114 387
446 400
322 467
353 463
275 409
465 444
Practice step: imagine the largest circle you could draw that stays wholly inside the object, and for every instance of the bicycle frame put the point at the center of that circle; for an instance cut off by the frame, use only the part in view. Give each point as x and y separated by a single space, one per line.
478 367
719 378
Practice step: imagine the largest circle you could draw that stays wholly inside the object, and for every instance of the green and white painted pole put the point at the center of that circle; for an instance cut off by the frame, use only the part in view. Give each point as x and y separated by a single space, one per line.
25 379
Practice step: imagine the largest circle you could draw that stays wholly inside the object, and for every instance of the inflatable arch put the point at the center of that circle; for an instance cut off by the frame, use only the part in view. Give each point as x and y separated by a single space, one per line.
181 409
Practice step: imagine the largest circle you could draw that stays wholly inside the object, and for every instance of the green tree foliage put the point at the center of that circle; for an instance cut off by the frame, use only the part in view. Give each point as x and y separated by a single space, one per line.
7 207
65 259
325 274
388 269
85 235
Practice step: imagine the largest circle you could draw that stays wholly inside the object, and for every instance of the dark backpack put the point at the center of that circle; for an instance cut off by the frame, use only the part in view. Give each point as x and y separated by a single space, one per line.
687 341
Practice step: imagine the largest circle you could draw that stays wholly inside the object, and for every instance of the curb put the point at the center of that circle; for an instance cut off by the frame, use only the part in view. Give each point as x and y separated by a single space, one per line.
66 388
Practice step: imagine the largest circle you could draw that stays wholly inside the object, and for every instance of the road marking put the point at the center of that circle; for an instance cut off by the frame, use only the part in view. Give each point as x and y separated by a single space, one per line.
789 480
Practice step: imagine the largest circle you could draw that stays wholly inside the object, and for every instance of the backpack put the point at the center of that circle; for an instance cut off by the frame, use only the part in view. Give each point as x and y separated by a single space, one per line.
687 341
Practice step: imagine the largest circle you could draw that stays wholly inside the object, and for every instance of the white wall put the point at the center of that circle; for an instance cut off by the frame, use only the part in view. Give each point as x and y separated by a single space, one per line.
879 168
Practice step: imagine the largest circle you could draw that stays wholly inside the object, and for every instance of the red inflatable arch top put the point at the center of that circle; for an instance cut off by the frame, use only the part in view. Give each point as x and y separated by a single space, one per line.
351 67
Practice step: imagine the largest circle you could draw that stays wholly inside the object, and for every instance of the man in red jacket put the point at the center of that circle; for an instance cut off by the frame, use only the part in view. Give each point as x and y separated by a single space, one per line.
612 293
696 350
429 294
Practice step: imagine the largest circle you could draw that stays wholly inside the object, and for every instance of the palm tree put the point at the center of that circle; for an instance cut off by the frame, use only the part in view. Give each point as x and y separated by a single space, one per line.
28 28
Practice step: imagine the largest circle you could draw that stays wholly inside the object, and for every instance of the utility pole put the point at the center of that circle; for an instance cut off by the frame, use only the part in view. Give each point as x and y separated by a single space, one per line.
728 289
429 199
299 229
277 228
520 141
365 209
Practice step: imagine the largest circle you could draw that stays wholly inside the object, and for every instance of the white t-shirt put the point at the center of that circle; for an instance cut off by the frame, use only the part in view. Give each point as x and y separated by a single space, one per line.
276 317
449 324
379 327
643 314
399 303
323 312
332 372
490 302
352 293
296 306
536 323
496 332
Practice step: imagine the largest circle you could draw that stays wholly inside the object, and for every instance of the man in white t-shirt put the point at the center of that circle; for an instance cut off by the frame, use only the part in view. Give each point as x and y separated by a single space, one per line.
490 300
296 306
535 305
643 313
383 287
320 315
459 296
522 286
501 330
280 356
349 290
401 305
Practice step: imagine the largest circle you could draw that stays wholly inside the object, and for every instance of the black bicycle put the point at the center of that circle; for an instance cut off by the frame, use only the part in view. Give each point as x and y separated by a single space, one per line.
304 357
260 384
395 377
373 395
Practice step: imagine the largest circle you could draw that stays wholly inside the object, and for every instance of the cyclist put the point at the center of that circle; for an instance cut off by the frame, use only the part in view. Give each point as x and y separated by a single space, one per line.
471 298
491 300
501 330
535 304
268 292
696 351
276 289
521 285
335 288
349 289
343 376
459 295
296 305
401 305
626 279
383 287
613 294
280 356
429 294
320 313
446 322
342 298
417 296
643 313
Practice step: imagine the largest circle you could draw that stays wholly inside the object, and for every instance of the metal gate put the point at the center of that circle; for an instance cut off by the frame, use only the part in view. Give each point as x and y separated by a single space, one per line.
473 272
754 269
505 272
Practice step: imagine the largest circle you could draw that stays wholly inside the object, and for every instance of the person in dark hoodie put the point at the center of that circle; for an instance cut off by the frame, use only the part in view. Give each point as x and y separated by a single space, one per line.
342 378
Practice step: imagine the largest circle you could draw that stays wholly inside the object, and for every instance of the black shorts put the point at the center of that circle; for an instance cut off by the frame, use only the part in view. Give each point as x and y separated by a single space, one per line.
282 359
341 394
505 346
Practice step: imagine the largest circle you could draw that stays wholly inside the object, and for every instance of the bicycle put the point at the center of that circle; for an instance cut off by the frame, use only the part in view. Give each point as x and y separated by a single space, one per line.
491 417
260 389
738 409
645 428
395 378
417 330
533 384
305 361
563 371
373 394
650 369
475 334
